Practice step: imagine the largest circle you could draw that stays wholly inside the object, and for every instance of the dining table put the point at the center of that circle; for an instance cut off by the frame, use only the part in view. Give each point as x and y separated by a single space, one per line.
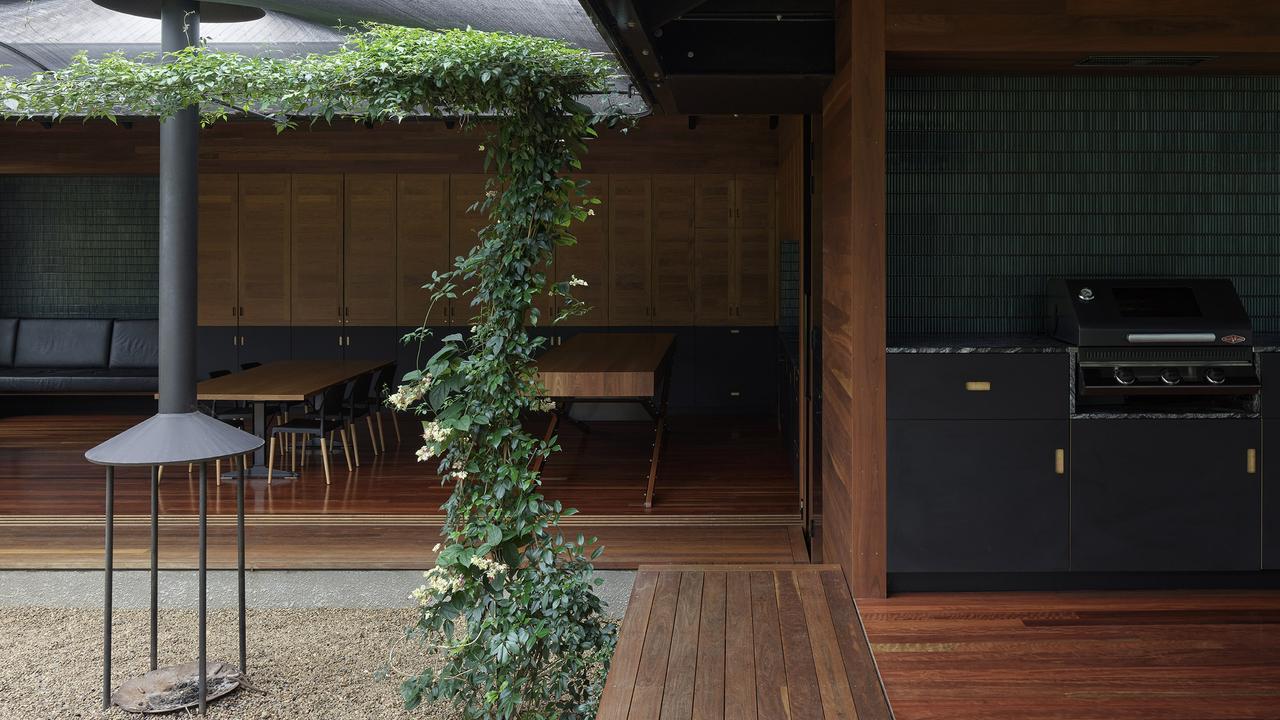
611 367
282 381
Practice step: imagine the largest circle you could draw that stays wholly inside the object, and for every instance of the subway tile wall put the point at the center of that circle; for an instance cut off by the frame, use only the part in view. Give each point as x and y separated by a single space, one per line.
74 246
996 184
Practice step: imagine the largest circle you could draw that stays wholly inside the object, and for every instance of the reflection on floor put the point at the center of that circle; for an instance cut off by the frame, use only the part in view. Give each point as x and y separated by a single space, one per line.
1173 655
725 493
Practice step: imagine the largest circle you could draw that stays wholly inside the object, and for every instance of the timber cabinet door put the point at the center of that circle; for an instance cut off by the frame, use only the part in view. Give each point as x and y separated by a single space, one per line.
588 258
674 275
978 496
753 263
264 277
316 261
713 251
422 245
217 250
465 190
369 252
630 250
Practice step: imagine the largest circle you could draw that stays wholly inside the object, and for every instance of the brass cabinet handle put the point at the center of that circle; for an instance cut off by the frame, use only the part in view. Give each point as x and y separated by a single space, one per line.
1060 461
978 386
1251 461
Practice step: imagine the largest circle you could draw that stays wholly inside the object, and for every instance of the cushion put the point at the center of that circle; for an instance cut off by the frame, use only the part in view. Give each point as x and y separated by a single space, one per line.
8 332
107 384
63 343
135 344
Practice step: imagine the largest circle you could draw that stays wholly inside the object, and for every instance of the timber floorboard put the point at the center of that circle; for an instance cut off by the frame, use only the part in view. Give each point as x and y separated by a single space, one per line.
1172 655
714 642
725 494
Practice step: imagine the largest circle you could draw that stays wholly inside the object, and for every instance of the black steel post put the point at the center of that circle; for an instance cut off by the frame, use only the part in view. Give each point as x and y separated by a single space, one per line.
180 28
109 517
203 622
240 564
155 561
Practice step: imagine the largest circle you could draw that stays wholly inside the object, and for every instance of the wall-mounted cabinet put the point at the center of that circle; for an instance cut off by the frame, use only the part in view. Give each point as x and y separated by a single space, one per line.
354 250
422 245
735 244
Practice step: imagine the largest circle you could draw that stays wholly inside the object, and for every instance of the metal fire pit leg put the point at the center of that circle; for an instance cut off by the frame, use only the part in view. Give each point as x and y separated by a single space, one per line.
204 521
106 596
155 560
240 564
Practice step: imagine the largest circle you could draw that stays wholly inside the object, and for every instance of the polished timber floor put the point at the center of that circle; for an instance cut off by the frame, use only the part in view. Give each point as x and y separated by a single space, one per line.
725 493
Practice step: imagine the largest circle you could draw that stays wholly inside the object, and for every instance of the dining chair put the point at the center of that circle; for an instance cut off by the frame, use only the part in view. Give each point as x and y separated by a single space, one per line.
323 422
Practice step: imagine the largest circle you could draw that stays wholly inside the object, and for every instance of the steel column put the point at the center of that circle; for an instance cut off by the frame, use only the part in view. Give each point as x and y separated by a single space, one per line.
179 137
203 620
155 560
240 563
109 516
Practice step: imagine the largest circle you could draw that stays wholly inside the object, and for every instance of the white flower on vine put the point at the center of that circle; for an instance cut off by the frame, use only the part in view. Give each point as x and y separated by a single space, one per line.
460 474
408 394
575 281
491 568
480 148
591 211
545 405
491 193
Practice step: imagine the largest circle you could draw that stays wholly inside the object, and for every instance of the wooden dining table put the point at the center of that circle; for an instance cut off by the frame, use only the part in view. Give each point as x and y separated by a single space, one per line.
284 381
611 367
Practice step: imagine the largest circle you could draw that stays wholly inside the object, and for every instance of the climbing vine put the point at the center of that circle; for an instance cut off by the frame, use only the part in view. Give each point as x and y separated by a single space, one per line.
509 606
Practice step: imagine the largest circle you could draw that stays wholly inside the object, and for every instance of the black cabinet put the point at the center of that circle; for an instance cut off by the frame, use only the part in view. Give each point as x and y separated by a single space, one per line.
264 344
737 369
217 348
978 385
370 342
977 496
1165 495
318 343
1270 494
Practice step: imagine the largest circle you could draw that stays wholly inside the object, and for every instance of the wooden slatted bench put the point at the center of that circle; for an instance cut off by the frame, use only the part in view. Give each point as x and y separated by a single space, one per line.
760 642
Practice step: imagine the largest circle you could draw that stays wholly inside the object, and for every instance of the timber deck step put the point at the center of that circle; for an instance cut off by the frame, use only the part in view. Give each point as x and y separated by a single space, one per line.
742 642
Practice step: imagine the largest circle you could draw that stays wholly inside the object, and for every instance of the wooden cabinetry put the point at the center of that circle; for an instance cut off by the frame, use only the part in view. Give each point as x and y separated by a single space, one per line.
264 238
335 250
316 261
422 245
466 191
369 250
674 287
217 251
734 240
588 258
630 250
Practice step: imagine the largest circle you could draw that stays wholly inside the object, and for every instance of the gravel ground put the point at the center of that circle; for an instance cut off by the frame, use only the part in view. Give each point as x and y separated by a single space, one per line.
316 640
316 663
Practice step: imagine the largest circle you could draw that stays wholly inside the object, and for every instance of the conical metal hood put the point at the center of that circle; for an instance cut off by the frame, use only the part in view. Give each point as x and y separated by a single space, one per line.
173 438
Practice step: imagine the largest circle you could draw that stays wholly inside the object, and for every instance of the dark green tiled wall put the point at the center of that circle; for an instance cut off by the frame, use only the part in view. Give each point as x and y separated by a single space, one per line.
78 246
998 183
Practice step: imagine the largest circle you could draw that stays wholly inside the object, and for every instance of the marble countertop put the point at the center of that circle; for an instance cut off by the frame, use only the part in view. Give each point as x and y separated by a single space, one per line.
975 344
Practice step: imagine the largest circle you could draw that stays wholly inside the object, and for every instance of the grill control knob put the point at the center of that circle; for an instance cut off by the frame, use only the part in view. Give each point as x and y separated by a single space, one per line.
1215 376
1125 376
1170 376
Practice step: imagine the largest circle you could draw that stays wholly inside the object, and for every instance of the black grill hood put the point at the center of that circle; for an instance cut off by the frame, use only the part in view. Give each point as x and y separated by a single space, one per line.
1122 312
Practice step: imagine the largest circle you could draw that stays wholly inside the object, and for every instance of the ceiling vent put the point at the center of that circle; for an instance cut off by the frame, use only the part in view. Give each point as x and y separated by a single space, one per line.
1141 61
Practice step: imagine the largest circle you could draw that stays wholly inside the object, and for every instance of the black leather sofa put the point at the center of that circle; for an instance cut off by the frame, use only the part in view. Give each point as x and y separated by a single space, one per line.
75 356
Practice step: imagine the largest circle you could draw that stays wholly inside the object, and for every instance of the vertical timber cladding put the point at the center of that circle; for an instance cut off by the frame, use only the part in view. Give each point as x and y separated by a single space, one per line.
996 183
853 303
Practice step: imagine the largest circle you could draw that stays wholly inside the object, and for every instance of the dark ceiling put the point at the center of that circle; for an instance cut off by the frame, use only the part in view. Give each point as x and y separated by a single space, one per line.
724 56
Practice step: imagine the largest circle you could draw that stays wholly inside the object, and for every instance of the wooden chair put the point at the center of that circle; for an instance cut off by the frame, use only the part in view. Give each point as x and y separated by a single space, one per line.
327 419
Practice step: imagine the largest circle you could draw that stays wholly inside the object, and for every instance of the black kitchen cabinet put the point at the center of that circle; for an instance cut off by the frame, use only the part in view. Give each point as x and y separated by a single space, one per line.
264 344
370 342
217 348
987 386
737 369
318 342
1270 494
1165 495
977 496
